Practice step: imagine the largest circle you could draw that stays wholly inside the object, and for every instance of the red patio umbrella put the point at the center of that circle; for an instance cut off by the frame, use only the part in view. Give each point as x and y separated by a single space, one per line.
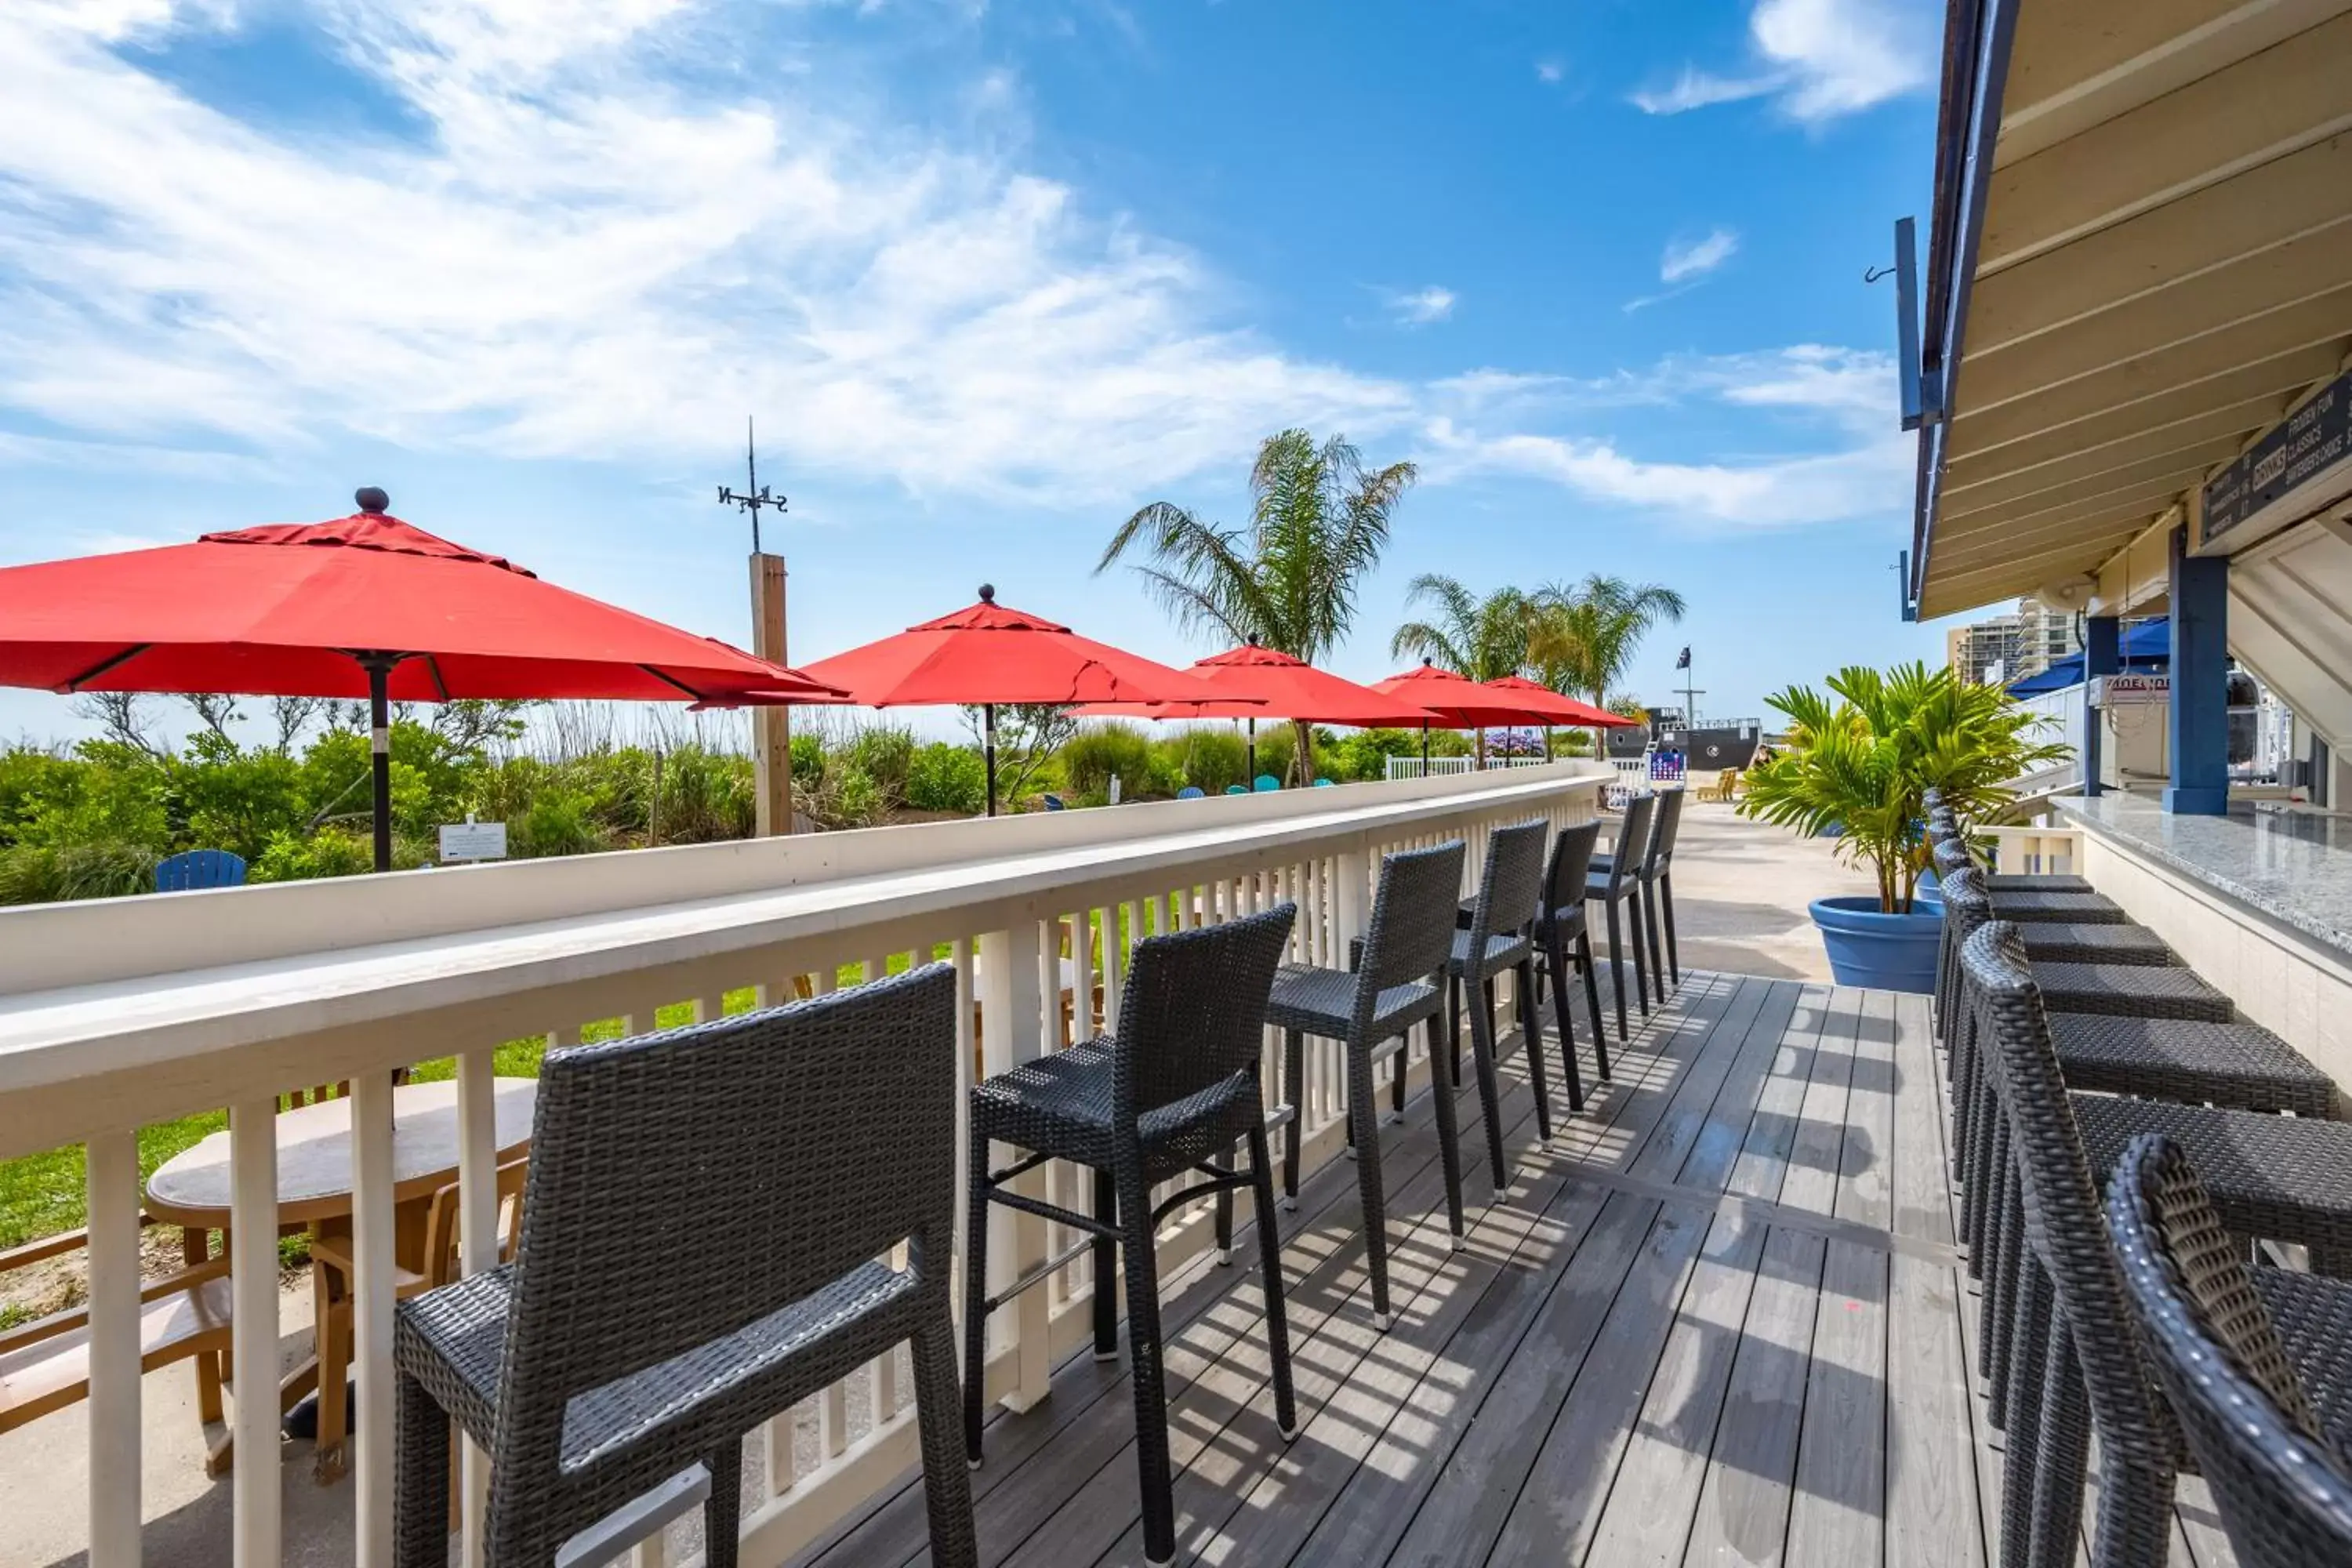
366 605
1545 706
988 654
1260 681
1454 700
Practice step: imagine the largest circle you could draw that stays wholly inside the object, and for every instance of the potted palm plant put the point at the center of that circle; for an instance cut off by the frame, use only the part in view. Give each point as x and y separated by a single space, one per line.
1864 757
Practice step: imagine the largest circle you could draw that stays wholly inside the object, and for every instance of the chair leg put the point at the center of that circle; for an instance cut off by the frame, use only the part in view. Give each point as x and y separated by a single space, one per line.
976 1298
1367 1168
1666 913
1453 1030
1224 1161
1105 1255
1449 1149
2023 1440
196 1247
1149 1376
1564 1016
1490 1088
1269 1256
947 1488
1397 1076
2061 1457
1293 1092
1641 953
1531 1015
420 1478
722 1516
1593 1003
1657 952
1616 967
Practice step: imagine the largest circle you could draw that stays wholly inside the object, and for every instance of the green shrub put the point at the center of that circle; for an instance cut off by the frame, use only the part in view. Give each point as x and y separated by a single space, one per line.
945 777
808 762
858 801
1095 754
1276 745
331 852
558 822
884 754
1209 757
41 874
706 797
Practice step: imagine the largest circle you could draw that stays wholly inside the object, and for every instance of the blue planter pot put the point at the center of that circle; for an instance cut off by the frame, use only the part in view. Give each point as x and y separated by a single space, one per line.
1929 893
1886 952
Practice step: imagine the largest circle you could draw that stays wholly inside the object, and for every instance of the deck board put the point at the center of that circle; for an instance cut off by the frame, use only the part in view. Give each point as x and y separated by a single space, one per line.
1721 1320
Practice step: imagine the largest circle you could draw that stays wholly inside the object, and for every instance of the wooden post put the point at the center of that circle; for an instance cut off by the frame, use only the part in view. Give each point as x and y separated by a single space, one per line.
771 727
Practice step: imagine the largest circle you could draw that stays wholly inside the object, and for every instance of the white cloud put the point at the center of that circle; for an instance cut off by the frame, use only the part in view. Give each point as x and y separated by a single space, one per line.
1863 468
1686 260
1817 59
585 257
1550 72
1420 307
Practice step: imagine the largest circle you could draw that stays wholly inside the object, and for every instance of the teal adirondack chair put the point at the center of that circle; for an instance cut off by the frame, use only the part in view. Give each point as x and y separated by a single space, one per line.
1266 782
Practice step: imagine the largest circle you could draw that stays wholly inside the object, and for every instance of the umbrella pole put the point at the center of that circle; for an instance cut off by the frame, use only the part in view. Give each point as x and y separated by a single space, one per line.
1424 748
379 671
1253 754
987 720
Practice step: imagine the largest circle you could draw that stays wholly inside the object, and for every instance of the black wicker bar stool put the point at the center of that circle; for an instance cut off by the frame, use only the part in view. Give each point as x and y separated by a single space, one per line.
701 1241
2254 1363
1658 879
1501 939
1174 1090
1399 982
2276 1177
1564 945
1615 879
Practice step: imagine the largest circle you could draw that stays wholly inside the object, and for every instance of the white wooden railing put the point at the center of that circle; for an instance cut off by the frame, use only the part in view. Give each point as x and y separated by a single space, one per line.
116 1015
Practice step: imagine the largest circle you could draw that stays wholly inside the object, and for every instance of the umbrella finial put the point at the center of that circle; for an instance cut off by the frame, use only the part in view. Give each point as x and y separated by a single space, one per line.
372 500
988 592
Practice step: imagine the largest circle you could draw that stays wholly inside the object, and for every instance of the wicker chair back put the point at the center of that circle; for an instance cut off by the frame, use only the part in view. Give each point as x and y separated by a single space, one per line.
1662 840
1633 841
2064 1224
2284 1493
686 1185
1410 934
1512 884
1193 1013
1572 863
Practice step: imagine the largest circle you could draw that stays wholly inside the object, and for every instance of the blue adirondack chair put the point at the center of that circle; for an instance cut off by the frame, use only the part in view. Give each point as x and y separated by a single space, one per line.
196 868
1266 782
1322 783
1192 792
1236 789
1055 803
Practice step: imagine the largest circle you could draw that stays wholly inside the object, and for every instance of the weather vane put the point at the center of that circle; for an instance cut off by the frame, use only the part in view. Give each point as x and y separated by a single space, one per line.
759 497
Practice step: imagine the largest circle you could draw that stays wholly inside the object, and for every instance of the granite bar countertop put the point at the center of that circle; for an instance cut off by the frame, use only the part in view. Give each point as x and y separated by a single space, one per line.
2294 866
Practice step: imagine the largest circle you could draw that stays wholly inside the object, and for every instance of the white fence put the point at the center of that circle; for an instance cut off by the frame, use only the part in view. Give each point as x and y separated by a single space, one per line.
1448 767
118 1014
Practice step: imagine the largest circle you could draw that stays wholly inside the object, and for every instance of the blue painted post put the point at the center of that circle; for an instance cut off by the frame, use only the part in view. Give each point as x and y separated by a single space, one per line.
2102 655
2201 684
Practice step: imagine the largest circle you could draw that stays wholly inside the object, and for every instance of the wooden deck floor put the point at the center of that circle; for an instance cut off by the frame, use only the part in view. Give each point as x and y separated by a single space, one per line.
1721 1320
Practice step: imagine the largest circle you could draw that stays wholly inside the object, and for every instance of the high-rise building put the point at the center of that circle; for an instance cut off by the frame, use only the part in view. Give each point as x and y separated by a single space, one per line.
2010 648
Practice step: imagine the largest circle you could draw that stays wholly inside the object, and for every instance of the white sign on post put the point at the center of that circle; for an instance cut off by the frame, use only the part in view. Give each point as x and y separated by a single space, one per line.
471 840
2133 691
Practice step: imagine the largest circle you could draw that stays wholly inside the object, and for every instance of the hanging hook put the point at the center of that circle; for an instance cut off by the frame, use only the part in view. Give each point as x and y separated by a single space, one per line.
1872 274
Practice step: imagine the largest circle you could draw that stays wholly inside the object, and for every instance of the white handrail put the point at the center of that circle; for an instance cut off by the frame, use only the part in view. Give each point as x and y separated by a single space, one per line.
118 1014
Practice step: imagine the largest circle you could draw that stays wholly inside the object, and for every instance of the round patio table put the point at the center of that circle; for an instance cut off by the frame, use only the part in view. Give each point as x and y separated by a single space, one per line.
314 1190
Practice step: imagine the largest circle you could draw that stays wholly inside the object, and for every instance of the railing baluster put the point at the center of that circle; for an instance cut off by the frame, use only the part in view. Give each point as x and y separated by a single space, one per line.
477 1247
112 1174
253 1331
372 1308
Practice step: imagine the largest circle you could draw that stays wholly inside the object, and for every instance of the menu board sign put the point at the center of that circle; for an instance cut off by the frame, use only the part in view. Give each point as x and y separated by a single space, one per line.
2312 440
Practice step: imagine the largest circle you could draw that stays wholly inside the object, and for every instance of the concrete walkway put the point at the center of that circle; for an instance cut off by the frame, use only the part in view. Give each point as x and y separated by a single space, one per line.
1740 892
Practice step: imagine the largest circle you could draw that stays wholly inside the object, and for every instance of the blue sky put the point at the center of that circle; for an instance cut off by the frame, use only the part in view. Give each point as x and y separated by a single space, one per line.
989 275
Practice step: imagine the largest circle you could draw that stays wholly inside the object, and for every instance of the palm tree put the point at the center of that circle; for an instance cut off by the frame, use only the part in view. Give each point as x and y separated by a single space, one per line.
1583 638
1485 639
1318 522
